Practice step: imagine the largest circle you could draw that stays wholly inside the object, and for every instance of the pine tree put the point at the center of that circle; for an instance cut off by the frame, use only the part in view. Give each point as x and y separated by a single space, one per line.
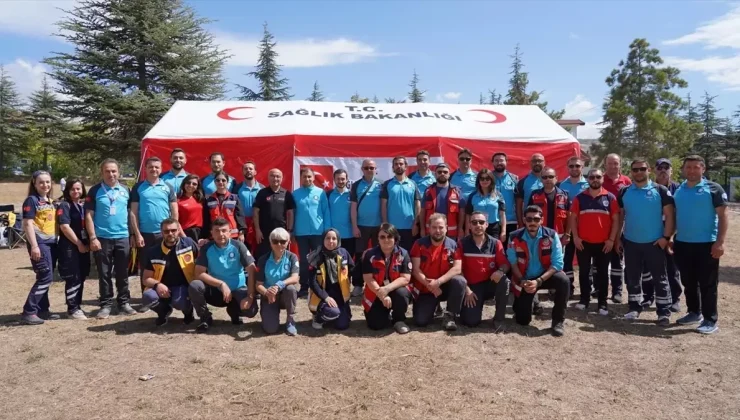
272 87
316 95
493 97
375 99
641 114
356 98
47 126
480 100
11 119
131 60
394 101
415 94
691 116
518 83
709 143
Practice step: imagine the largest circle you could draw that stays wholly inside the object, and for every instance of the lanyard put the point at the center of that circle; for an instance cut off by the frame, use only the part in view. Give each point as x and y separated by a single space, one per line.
112 193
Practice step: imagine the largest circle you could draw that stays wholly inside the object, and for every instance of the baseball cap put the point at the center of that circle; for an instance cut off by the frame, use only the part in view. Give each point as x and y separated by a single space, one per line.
441 165
662 161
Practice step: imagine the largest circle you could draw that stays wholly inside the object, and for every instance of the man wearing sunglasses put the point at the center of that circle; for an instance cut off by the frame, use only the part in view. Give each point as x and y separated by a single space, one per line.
573 185
663 174
613 182
536 258
273 208
464 177
527 185
444 199
364 197
169 268
506 183
644 206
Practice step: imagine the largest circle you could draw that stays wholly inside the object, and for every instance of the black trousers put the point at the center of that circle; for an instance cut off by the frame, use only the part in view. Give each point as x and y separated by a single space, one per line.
636 257
368 235
379 317
150 239
674 280
523 303
74 267
700 277
494 229
472 317
453 292
193 233
510 227
593 252
570 252
112 260
407 239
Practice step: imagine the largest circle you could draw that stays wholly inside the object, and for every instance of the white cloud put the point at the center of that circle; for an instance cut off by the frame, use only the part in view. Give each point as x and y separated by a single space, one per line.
452 96
573 35
306 52
27 75
34 18
580 107
720 33
590 131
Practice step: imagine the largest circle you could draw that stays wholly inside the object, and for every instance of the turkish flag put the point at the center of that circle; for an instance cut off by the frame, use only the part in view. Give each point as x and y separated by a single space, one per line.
323 175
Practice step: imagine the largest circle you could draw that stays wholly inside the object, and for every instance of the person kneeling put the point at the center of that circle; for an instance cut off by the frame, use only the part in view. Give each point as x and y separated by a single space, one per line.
536 258
221 278
169 268
329 283
277 275
437 264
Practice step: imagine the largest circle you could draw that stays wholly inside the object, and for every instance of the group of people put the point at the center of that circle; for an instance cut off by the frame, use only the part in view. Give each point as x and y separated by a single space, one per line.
460 237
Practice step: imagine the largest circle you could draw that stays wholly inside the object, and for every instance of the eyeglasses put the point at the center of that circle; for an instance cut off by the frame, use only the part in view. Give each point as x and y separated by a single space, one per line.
642 169
548 176
592 177
533 219
193 183
220 180
485 178
478 222
368 168
279 241
574 166
443 172
169 231
385 237
464 159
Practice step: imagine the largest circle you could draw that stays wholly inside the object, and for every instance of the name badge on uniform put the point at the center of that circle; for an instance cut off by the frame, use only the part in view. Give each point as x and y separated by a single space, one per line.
83 234
113 210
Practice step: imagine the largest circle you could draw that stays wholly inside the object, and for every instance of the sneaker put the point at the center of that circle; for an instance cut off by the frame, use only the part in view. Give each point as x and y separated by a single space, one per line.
664 320
188 318
78 314
31 319
707 327
401 327
631 315
675 308
448 322
204 326
581 306
48 316
646 303
690 318
290 328
126 309
302 293
103 313
603 311
617 298
538 310
144 309
356 291
558 330
317 325
438 312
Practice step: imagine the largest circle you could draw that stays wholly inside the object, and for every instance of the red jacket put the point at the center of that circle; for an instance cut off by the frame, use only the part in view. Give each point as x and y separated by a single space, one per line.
373 262
453 207
539 199
522 253
227 206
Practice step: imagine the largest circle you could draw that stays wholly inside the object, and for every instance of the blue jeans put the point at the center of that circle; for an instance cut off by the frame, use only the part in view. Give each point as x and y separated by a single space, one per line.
38 297
306 244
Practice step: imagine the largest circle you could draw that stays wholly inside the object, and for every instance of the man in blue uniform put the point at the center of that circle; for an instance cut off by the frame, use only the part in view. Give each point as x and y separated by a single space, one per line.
573 185
464 177
312 219
506 185
528 184
644 205
177 174
247 192
218 162
106 221
365 216
422 176
701 223
400 203
339 209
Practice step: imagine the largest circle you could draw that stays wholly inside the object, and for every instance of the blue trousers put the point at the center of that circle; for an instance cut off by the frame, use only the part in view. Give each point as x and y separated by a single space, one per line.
178 299
306 244
38 297
74 267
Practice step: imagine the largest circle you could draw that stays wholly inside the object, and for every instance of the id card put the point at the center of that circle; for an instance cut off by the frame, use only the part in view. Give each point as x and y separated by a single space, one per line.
113 210
83 234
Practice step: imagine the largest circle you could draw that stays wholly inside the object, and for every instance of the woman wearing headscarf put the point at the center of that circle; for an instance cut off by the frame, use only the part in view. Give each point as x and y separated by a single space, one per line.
329 282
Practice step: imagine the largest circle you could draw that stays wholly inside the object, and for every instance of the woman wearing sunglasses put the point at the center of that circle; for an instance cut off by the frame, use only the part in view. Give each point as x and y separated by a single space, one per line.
276 276
223 203
190 207
486 199
329 282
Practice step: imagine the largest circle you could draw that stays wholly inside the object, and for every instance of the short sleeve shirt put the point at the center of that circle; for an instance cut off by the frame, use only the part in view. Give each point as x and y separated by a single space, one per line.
643 211
594 215
247 196
464 181
423 182
175 181
273 207
696 211
228 263
368 209
401 196
339 207
526 186
43 213
72 214
110 205
506 186
154 204
269 271
573 189
486 204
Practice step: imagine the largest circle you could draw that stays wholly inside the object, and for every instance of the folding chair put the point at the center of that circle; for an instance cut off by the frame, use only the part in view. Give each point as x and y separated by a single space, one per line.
11 223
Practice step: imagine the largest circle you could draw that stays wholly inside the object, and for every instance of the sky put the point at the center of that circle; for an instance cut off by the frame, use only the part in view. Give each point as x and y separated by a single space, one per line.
459 49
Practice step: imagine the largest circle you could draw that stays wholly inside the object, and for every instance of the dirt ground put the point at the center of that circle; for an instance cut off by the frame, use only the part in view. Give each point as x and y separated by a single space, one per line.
604 367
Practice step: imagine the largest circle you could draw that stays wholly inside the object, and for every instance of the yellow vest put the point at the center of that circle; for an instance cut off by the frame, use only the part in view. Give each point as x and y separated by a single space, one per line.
344 283
185 256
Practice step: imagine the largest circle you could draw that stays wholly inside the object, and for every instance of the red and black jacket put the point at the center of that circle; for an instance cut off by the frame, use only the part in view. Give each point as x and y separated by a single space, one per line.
478 264
521 249
227 206
453 207
374 262
539 199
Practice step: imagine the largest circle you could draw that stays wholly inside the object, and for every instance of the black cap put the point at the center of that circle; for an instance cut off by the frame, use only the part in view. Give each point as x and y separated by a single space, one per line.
663 160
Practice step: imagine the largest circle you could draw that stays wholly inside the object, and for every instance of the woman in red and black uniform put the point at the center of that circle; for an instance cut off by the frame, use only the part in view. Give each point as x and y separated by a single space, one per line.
224 204
190 207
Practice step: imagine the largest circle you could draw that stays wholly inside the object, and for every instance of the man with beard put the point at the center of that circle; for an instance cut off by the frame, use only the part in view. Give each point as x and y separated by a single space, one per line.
365 216
506 185
527 185
663 174
174 176
168 270
218 162
536 259
247 192
594 221
399 203
273 208
645 205
423 177
484 267
437 264
614 181
573 185
464 177
444 199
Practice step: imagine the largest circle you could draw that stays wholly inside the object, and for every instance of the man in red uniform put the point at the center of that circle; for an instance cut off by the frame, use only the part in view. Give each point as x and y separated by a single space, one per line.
484 266
437 264
613 182
594 221
443 198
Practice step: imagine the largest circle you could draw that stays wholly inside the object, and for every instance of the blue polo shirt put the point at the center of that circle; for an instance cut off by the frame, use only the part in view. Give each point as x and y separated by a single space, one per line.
573 189
270 271
487 204
111 210
247 196
535 267
465 182
209 184
423 182
643 211
696 211
226 264
402 197
154 204
526 186
175 181
311 211
506 186
339 208
368 209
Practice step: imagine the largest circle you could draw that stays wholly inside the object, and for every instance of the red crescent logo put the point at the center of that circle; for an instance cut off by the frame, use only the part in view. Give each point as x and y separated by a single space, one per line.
224 113
497 116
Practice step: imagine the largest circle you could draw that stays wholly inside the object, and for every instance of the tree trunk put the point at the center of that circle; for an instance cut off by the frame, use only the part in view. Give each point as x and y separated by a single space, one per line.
46 158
